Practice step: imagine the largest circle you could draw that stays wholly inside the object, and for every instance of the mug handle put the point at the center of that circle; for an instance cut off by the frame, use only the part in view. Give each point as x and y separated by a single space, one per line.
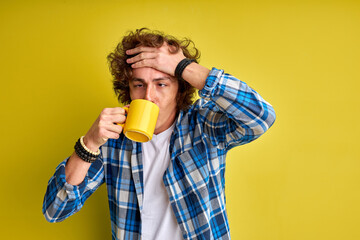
127 111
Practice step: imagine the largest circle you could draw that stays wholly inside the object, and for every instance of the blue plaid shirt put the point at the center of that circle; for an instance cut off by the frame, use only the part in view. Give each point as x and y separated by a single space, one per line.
229 113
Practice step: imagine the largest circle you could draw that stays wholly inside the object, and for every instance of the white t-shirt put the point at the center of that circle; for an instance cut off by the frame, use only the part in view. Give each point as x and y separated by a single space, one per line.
157 217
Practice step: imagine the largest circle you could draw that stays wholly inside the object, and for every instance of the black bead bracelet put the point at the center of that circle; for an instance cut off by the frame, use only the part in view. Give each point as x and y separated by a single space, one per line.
181 66
84 154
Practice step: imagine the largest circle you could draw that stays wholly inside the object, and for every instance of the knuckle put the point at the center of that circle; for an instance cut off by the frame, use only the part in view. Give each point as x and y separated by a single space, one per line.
105 111
101 132
102 119
101 124
118 110
120 128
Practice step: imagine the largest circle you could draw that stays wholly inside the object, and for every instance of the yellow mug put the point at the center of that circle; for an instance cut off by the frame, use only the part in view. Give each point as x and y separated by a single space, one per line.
141 120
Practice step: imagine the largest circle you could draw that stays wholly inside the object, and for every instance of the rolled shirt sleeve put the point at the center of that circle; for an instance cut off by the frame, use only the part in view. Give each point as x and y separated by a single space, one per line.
238 110
63 199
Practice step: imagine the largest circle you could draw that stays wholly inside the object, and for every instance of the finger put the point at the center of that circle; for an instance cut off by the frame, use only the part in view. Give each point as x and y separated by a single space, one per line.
104 130
113 111
106 120
140 49
117 110
110 134
118 119
144 63
114 128
141 56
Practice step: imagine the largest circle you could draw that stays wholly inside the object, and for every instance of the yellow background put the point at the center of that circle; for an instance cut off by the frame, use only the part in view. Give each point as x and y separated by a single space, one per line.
299 181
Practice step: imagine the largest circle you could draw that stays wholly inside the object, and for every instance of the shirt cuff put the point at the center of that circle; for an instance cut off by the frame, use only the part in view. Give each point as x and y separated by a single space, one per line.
211 83
72 191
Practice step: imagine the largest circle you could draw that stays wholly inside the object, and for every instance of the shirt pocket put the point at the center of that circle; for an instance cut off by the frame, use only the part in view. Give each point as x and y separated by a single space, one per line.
194 163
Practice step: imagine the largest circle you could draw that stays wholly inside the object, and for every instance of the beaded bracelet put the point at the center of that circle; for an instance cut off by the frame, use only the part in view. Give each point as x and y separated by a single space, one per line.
84 153
84 146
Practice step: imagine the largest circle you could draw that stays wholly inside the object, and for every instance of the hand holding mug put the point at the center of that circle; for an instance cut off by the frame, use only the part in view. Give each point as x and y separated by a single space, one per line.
139 126
104 127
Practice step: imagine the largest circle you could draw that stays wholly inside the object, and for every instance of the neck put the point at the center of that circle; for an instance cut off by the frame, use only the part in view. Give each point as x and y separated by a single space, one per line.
166 124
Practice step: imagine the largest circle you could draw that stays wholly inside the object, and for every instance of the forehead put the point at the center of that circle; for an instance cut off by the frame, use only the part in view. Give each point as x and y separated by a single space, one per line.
149 74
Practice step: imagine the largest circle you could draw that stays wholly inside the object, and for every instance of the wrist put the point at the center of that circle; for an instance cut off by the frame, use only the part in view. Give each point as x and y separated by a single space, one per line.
181 67
196 75
90 144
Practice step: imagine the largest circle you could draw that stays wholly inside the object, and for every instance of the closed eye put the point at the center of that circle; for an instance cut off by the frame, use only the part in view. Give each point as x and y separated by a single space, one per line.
137 83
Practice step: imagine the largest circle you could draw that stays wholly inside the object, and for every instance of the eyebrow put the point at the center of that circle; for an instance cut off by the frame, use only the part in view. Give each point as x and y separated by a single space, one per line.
154 80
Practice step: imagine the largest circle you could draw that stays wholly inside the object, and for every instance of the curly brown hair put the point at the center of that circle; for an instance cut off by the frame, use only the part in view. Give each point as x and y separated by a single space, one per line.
122 71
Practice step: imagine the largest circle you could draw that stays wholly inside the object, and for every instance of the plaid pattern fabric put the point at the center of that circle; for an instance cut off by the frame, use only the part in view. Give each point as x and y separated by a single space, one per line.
229 113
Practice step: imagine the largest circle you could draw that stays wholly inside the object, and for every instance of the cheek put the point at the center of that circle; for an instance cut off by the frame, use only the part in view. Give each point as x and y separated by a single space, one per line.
136 93
131 92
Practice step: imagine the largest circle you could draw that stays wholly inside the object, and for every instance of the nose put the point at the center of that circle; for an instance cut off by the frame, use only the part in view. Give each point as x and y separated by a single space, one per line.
150 94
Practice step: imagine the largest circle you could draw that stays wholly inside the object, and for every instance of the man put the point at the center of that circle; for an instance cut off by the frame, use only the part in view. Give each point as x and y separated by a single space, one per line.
172 187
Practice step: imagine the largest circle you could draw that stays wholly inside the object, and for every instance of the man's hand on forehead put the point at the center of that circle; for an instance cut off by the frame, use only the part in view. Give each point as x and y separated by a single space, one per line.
158 58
